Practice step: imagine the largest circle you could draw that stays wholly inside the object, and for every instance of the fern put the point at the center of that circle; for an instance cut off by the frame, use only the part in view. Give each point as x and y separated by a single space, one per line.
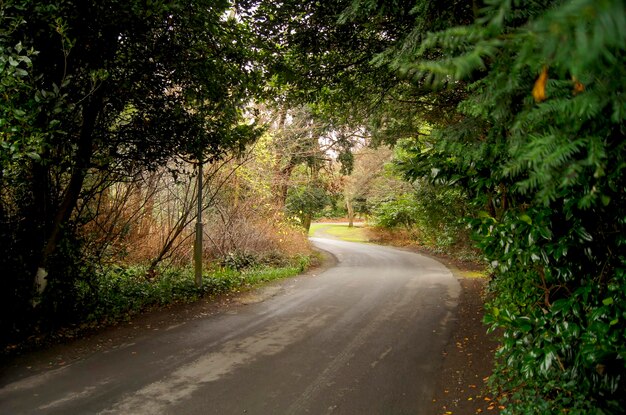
556 158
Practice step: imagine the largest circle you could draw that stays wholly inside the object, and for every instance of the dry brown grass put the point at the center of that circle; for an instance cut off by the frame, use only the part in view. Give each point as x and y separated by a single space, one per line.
394 237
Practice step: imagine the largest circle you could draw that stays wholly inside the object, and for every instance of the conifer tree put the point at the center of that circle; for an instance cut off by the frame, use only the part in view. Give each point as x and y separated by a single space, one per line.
540 145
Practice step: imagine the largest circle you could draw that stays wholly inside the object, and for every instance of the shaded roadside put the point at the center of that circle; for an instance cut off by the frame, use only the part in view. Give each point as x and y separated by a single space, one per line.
461 387
63 350
468 359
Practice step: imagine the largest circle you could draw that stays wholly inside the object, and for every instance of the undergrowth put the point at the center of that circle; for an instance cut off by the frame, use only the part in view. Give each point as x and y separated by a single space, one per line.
117 293
461 249
121 292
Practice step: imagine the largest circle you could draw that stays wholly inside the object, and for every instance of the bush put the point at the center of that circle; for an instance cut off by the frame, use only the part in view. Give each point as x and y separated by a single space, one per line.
399 212
117 293
305 201
434 215
564 343
239 260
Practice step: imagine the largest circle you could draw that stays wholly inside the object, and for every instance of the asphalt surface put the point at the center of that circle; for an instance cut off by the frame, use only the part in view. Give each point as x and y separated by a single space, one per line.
363 337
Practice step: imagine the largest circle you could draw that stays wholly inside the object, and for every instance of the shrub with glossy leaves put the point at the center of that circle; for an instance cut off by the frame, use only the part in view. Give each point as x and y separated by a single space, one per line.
539 144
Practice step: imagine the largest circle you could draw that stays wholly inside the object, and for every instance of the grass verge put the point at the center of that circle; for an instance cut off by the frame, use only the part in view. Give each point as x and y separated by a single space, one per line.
122 292
118 293
340 231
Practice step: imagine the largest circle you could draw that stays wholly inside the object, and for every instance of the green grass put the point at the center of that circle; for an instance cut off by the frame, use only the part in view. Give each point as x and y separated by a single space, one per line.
340 231
120 292
473 274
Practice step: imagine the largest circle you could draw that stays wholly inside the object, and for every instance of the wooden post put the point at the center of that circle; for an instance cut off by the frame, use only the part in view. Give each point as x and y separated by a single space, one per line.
199 232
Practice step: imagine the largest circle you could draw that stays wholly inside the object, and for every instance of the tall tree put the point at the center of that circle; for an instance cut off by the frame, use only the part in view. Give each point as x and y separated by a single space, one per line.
539 144
105 88
333 54
527 103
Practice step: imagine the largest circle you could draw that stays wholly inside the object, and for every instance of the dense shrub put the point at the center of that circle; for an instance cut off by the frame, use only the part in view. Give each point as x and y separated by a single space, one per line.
560 298
434 215
119 292
539 146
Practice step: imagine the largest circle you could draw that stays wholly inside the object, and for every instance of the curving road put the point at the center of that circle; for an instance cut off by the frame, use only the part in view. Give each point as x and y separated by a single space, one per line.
363 337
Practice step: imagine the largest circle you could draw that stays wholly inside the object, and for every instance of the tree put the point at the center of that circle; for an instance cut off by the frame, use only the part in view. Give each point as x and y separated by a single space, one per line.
526 104
295 142
305 200
97 91
361 185
334 55
539 145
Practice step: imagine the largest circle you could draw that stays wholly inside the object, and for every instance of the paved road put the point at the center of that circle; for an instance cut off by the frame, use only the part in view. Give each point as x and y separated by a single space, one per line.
363 337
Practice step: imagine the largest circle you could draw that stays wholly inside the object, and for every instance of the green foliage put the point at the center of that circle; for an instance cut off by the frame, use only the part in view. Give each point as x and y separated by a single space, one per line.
116 293
539 147
239 260
304 201
326 53
335 209
94 93
563 314
120 292
19 142
433 214
400 212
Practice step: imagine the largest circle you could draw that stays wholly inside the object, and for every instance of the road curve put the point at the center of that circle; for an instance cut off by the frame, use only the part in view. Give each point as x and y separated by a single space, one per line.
363 337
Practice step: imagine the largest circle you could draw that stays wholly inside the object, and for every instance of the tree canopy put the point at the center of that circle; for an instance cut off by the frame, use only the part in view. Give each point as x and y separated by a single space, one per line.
521 106
95 92
516 108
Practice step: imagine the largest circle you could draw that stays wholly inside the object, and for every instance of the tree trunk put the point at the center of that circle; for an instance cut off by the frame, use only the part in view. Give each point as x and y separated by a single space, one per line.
306 222
72 192
350 212
281 184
